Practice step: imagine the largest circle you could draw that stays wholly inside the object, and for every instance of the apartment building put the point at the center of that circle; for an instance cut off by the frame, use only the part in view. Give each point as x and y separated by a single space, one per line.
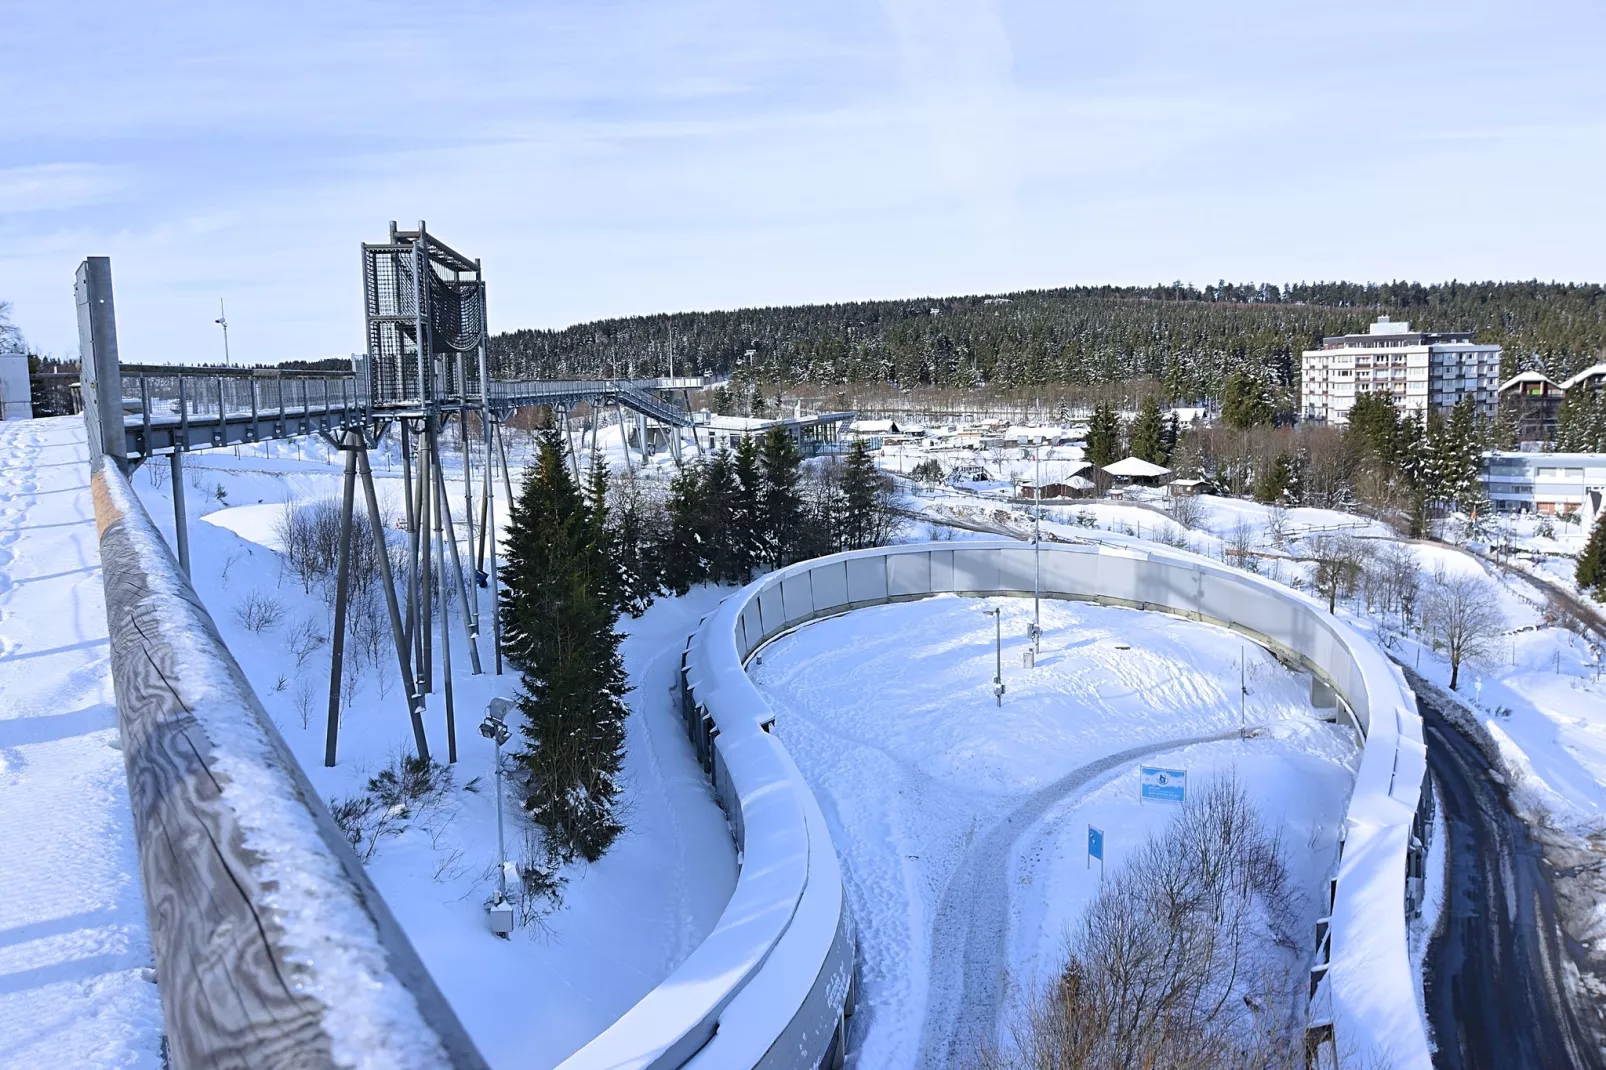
1550 484
1423 371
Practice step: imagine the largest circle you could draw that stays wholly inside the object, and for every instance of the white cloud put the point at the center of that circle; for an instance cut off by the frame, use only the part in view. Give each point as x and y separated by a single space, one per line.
53 187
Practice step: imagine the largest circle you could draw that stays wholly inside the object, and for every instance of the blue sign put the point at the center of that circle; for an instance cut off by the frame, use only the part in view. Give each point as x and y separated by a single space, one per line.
1162 785
1095 843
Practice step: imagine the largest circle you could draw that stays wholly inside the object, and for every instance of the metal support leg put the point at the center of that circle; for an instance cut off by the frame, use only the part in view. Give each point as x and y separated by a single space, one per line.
468 517
410 625
337 647
457 568
426 589
181 517
415 704
488 525
439 495
641 435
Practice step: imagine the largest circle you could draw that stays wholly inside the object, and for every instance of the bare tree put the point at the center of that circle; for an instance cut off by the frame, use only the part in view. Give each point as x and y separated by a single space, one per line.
1185 958
1338 557
1462 615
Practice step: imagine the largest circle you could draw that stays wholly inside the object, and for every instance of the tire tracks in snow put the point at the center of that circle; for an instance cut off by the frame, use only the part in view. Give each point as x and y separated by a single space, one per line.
970 933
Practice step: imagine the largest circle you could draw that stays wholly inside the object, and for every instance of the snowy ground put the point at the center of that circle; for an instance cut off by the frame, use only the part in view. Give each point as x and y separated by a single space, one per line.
927 784
627 921
1537 690
73 944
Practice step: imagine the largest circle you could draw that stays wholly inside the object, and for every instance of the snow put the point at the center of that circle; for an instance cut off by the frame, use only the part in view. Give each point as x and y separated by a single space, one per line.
1135 468
73 941
889 713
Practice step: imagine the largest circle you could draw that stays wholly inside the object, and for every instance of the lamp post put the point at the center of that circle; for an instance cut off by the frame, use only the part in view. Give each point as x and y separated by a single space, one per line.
494 728
998 670
223 321
1036 630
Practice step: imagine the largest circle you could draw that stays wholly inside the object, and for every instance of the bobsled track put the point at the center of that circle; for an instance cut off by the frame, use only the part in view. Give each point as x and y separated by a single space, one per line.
784 945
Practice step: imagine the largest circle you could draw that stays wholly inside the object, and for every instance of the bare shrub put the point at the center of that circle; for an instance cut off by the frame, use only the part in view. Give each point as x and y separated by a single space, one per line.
1187 510
1186 957
1242 547
303 639
258 612
406 790
304 702
309 537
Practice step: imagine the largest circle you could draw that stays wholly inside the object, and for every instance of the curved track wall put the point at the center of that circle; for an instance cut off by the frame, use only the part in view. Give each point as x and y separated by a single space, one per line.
773 982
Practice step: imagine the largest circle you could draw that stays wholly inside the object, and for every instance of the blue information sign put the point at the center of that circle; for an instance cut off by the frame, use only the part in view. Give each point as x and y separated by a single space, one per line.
1162 785
1095 843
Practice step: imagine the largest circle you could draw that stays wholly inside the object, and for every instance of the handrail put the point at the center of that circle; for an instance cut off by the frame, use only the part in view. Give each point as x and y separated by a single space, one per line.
272 946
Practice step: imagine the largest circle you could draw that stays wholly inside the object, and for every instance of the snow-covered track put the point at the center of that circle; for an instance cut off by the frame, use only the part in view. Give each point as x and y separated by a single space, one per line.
771 985
272 947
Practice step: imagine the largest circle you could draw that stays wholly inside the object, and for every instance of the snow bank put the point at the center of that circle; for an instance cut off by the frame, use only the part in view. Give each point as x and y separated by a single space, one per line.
775 975
267 932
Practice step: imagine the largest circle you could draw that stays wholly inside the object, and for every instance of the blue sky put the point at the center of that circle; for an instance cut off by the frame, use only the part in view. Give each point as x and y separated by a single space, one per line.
619 157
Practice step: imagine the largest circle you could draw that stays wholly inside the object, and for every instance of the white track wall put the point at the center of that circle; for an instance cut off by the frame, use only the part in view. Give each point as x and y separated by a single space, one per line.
772 983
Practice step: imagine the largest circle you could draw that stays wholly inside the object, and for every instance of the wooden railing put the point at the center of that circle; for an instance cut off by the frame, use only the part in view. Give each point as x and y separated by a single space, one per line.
272 947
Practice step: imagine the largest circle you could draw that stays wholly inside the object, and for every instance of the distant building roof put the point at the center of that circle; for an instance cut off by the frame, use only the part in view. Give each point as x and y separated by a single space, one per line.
1590 372
1134 468
1531 377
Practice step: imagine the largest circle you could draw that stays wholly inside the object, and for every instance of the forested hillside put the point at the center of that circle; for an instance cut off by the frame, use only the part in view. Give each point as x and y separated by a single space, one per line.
1188 339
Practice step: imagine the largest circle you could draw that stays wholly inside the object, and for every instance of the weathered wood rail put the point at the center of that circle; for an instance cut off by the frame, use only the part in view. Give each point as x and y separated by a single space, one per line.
272 947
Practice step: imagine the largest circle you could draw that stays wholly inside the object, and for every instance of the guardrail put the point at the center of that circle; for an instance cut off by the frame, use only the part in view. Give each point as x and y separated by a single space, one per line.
272 947
772 984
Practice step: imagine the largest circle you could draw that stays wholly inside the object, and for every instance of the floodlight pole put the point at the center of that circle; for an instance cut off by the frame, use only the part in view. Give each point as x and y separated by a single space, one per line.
1037 556
223 321
998 670
494 728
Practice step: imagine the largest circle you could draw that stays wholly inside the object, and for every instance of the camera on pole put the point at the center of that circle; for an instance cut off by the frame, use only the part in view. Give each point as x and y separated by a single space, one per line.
499 912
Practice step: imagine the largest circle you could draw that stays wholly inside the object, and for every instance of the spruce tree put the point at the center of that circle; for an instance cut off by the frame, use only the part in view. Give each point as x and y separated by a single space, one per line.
746 524
1147 434
1591 571
1103 444
864 500
681 559
1244 403
780 506
558 612
1275 482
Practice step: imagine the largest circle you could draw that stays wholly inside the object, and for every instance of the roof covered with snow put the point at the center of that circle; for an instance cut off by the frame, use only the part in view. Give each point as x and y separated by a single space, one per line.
1135 468
1591 372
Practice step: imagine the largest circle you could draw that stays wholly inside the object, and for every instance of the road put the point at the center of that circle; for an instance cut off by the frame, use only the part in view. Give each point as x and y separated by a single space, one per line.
970 933
1496 985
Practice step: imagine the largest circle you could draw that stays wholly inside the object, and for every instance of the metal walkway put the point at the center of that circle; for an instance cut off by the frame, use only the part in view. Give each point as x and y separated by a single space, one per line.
168 408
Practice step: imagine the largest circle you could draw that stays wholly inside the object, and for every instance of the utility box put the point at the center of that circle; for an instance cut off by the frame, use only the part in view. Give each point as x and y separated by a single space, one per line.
500 916
16 396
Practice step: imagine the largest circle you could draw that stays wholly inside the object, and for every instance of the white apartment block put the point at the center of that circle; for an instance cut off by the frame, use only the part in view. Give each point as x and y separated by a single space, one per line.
1424 371
1550 484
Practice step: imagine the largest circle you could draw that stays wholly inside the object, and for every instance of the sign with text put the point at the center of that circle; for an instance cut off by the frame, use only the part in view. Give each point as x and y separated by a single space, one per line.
1095 843
1162 785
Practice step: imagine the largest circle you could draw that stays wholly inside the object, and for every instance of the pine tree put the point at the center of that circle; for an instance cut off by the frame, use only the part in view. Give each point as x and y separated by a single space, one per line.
864 491
558 616
1103 446
1591 571
1244 402
1147 435
746 525
681 559
1275 482
780 506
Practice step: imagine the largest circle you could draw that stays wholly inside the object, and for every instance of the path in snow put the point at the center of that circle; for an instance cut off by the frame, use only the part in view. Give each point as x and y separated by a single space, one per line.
73 943
970 935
